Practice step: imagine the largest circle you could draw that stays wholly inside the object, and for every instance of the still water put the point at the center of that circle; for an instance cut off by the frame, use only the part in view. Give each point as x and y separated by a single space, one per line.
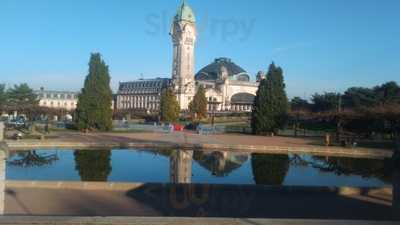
122 165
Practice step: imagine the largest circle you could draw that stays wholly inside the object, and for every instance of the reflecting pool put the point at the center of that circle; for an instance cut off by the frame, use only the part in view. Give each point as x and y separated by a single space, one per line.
178 166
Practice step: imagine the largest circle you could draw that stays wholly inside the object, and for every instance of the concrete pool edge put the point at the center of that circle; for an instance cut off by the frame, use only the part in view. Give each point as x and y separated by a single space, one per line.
178 220
322 151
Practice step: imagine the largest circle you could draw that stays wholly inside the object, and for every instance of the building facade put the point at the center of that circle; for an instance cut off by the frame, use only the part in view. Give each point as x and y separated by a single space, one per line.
228 86
141 94
67 100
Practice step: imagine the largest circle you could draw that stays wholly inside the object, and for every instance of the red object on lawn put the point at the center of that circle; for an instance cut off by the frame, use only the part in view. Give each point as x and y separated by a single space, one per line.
178 127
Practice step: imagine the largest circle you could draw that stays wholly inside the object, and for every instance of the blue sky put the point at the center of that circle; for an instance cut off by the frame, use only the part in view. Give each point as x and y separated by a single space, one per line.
322 45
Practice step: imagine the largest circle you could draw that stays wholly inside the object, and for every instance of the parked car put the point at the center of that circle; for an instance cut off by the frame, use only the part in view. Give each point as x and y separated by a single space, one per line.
16 123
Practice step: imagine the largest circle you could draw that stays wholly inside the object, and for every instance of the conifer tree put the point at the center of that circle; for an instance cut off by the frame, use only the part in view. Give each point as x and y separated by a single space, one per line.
21 95
94 103
169 106
198 106
3 96
271 104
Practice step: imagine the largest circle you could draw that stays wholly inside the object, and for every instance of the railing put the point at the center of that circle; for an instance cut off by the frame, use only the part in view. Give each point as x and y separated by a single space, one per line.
132 127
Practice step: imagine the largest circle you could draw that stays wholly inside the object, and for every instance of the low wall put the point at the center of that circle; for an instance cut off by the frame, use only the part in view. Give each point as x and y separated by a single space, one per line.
321 151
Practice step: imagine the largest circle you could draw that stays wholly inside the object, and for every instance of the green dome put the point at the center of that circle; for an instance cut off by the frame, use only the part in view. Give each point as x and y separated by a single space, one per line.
185 13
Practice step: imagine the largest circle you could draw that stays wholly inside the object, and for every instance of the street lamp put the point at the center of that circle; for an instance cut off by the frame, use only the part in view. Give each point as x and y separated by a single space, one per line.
213 103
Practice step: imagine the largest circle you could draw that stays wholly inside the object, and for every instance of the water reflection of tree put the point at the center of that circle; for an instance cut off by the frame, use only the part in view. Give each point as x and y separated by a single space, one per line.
33 159
269 169
365 168
93 165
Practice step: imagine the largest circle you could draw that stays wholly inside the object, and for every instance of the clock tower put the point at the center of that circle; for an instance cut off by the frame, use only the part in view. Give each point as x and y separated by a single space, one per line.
183 34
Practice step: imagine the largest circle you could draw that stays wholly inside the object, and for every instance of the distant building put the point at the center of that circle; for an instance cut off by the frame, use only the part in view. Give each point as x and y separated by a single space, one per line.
57 99
228 86
141 94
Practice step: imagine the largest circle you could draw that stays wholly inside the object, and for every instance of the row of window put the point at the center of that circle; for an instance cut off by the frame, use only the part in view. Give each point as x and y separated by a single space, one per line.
140 91
140 85
58 104
58 96
139 98
139 105
234 107
211 99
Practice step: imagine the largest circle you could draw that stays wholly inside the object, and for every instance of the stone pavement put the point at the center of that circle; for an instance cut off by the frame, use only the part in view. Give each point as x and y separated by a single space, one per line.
227 201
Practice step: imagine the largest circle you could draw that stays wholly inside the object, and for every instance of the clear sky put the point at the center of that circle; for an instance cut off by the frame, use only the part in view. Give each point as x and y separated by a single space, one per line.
322 45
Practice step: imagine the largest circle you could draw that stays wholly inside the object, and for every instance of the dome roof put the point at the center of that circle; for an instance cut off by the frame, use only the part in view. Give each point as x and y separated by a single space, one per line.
185 13
212 71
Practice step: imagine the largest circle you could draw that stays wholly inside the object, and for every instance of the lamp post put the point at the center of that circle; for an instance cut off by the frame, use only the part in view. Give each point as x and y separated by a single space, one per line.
213 106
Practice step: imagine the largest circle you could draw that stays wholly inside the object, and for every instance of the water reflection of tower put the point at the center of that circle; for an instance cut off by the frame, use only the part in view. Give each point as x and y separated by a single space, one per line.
180 166
220 163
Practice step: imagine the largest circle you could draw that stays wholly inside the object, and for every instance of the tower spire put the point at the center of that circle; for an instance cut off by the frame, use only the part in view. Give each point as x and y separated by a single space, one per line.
185 13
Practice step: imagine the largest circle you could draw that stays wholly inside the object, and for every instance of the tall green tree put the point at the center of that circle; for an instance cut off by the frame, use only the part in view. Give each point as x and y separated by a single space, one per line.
271 104
94 103
356 97
3 96
169 106
328 101
21 95
198 106
299 104
388 93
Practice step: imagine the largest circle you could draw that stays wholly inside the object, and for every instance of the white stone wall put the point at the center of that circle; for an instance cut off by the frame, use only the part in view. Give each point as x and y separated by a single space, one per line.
149 102
57 99
222 93
235 88
67 104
